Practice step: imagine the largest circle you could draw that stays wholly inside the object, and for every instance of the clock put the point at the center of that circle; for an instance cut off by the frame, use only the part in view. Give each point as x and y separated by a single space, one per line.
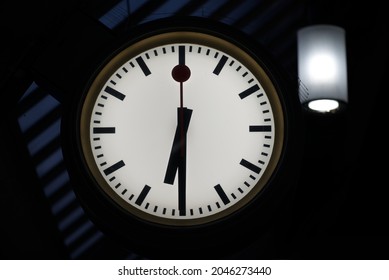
180 135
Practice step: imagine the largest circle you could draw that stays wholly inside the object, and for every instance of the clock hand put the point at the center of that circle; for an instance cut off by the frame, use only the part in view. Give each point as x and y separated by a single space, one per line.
180 73
175 153
184 117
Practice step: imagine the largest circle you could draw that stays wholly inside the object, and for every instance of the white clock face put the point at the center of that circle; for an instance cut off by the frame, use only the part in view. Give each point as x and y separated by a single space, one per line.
181 146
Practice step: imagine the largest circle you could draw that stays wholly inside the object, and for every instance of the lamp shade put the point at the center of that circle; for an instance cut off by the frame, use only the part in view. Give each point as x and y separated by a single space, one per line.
322 67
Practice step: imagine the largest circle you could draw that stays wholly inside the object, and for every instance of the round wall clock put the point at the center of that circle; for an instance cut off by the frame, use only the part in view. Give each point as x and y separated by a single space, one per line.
178 142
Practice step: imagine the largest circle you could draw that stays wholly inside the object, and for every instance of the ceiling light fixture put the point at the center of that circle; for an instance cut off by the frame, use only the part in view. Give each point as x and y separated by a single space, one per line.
322 68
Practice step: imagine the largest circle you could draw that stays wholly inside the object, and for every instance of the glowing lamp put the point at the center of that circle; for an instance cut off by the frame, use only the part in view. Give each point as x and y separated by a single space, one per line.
322 68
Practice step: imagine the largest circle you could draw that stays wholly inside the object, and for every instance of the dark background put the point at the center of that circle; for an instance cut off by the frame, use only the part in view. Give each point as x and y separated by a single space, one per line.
340 205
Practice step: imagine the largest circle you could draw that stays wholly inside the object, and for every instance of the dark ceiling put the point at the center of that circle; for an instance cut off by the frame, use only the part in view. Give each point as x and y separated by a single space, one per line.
340 205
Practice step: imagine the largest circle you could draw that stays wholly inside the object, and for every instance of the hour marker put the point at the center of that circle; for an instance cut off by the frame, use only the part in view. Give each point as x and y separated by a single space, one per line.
181 55
142 195
222 194
260 128
114 93
250 166
104 130
143 66
114 167
248 91
220 65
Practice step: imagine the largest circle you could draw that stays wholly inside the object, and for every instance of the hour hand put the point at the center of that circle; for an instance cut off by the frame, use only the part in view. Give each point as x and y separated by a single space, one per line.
175 154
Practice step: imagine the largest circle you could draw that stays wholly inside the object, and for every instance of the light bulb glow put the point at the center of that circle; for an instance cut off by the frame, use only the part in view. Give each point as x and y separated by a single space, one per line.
322 68
323 105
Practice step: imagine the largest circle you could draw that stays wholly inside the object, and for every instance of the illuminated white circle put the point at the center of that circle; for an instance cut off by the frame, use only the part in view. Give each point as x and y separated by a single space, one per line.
323 105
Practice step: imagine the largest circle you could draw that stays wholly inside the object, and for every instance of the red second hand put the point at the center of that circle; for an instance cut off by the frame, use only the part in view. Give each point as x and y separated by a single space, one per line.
182 134
181 73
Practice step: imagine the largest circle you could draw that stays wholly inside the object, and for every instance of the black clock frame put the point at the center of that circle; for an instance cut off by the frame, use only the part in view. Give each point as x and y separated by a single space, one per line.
218 239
